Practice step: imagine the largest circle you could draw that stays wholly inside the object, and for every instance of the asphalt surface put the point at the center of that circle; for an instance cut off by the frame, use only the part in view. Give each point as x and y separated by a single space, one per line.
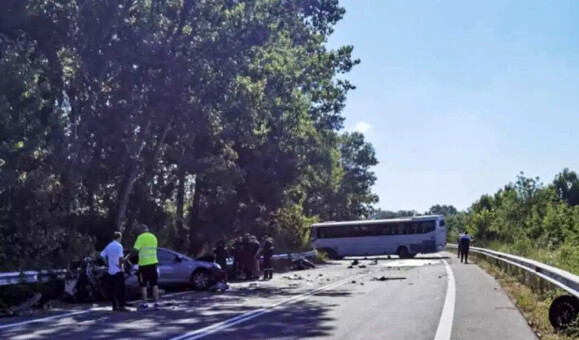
392 299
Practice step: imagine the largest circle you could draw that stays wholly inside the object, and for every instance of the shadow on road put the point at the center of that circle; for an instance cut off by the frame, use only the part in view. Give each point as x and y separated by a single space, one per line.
183 314
305 319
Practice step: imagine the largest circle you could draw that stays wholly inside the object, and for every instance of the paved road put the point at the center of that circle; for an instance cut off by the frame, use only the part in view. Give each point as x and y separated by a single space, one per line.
422 298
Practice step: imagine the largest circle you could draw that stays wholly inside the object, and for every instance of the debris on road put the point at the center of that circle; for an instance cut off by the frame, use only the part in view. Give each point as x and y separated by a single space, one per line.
374 262
384 278
355 263
302 264
353 281
350 267
293 277
23 307
361 266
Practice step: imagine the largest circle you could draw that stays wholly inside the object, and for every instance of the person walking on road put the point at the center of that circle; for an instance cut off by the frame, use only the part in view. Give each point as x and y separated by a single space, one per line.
465 241
146 245
113 254
458 245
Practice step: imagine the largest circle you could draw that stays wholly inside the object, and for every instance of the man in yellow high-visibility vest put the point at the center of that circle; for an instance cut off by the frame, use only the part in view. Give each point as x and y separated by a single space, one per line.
146 245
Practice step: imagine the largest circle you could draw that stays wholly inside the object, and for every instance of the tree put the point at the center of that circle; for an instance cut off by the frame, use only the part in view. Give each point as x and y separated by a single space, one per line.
566 184
202 119
445 210
387 214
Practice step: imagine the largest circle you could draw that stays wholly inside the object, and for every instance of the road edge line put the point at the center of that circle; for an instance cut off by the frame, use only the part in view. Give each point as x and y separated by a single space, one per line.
444 329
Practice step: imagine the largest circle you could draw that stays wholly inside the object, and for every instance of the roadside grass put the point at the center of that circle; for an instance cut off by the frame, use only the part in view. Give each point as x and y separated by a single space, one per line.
532 296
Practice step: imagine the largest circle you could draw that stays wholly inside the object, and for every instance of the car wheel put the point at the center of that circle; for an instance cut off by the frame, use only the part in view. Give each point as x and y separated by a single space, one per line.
200 280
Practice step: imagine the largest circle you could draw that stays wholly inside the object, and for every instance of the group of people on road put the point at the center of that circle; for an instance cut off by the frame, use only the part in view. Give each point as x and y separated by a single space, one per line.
246 252
148 276
464 240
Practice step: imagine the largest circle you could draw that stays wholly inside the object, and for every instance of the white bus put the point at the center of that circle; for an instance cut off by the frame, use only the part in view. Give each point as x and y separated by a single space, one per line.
405 237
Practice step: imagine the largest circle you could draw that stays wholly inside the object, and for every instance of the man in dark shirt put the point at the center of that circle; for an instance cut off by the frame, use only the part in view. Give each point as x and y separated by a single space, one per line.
464 247
267 255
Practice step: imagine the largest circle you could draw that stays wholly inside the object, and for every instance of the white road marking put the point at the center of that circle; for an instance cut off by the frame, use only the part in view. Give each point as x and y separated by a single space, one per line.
444 329
59 316
23 323
203 332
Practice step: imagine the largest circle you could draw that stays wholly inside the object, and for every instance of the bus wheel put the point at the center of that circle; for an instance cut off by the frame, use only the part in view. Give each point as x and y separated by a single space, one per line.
332 254
403 253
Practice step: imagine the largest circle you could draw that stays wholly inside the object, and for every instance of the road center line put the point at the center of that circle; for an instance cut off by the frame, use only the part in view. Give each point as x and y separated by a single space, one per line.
203 332
444 329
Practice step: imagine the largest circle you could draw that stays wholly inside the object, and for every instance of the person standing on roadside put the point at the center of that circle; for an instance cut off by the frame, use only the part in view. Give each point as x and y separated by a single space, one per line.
465 240
113 254
237 252
255 247
246 257
267 255
458 245
221 255
146 246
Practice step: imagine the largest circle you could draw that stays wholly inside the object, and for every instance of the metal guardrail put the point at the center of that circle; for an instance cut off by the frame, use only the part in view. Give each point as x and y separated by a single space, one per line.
7 279
292 256
565 309
562 279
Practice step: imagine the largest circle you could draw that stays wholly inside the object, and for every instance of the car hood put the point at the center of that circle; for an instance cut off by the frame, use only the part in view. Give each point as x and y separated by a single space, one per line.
207 265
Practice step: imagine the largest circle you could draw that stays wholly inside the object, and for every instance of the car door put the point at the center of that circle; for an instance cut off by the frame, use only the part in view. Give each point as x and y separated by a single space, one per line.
182 269
166 267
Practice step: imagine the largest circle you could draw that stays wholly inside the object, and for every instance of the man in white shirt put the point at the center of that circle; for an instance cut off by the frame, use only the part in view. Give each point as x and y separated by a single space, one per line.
113 253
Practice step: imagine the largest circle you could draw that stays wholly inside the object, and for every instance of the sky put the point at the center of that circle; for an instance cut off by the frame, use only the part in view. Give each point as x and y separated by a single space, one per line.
458 97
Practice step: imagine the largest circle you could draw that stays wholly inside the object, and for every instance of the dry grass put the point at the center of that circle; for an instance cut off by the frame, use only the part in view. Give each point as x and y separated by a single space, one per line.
531 296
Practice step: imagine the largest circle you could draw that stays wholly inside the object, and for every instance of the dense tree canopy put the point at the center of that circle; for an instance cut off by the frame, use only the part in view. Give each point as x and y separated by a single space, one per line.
202 119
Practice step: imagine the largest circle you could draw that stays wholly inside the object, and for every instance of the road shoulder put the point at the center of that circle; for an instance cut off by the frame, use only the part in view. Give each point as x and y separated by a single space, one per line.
483 310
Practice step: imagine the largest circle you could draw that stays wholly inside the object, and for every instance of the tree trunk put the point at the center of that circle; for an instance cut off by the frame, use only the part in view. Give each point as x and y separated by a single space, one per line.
194 223
180 209
131 179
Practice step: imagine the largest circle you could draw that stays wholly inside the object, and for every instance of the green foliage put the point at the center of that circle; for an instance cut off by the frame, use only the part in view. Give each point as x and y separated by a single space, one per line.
530 219
202 119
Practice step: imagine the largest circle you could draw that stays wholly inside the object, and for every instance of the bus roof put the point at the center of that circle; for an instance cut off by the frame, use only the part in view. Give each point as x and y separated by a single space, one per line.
391 220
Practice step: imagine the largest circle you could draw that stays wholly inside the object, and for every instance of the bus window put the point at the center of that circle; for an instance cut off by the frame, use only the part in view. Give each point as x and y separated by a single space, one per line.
363 230
387 229
313 233
401 228
416 228
442 223
428 226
